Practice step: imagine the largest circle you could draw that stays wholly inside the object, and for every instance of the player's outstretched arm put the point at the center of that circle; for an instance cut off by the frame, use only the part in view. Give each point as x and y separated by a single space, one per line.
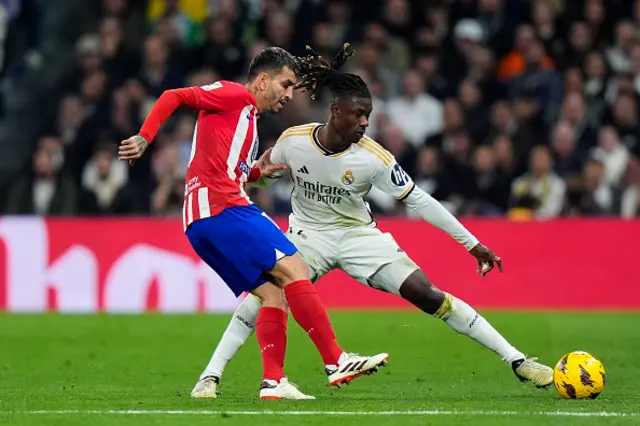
133 148
433 212
393 180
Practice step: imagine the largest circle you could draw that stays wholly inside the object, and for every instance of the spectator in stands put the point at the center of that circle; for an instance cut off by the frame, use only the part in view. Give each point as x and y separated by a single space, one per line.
368 59
457 161
596 197
482 72
70 119
595 16
157 73
428 64
566 78
513 64
567 159
612 154
468 34
182 21
130 19
504 157
624 117
542 184
404 152
119 61
168 197
418 114
574 112
476 115
279 29
220 51
493 187
44 189
579 44
546 83
452 122
432 177
397 19
394 51
379 114
544 15
630 200
596 73
620 53
104 184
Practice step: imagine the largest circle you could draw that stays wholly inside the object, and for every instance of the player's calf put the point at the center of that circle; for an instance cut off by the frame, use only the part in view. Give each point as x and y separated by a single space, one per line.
292 273
418 290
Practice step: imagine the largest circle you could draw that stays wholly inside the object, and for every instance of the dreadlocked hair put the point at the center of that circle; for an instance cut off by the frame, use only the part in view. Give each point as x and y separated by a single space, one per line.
317 74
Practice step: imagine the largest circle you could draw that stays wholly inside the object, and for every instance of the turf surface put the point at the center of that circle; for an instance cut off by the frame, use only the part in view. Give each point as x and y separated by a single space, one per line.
139 370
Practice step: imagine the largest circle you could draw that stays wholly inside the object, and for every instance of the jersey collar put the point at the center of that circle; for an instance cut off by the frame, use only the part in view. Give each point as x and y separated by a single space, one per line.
326 152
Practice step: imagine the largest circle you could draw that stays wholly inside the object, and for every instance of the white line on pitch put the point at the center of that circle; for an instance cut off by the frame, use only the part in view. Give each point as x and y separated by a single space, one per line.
338 413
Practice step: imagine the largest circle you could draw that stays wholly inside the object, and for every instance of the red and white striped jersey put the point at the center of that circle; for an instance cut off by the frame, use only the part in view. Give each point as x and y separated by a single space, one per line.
225 143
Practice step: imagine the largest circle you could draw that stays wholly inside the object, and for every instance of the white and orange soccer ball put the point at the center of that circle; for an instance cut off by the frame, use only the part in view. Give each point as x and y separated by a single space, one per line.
579 375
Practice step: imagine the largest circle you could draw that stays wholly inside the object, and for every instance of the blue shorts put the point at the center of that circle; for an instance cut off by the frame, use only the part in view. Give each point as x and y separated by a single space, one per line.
240 244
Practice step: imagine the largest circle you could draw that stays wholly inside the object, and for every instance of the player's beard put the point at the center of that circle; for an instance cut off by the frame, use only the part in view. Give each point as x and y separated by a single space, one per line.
273 99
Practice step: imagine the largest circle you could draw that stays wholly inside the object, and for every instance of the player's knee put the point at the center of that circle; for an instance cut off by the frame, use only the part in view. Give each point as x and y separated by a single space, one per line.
290 269
418 290
271 296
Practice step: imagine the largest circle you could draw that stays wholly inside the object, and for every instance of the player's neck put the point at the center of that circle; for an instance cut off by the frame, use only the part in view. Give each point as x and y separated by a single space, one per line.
331 140
253 89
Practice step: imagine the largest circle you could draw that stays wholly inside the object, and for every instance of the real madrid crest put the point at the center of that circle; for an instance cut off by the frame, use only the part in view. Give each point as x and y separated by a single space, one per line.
348 177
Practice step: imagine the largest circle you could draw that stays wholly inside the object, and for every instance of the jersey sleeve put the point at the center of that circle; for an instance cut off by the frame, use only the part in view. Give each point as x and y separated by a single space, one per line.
392 179
221 96
279 150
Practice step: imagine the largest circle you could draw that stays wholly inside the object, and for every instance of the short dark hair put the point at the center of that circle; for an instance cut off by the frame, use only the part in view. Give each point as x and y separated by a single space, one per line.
271 59
317 74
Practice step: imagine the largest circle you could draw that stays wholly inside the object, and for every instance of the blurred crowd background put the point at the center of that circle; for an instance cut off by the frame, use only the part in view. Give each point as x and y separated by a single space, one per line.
526 109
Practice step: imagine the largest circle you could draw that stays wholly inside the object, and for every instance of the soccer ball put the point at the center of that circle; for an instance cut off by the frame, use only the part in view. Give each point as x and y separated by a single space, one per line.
579 375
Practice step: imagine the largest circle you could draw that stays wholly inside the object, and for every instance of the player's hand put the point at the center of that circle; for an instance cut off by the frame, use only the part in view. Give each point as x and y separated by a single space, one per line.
486 259
132 148
268 168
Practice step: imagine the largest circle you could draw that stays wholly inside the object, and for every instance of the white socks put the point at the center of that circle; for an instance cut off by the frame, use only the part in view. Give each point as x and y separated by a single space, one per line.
242 325
459 315
464 319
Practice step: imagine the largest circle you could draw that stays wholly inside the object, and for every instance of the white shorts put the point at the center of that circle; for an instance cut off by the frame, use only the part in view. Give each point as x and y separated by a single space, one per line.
368 255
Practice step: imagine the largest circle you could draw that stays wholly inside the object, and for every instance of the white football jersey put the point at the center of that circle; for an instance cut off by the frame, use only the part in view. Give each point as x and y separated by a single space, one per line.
329 188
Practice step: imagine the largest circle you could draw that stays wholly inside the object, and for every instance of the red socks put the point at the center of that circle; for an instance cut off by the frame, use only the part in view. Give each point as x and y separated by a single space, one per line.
310 313
271 332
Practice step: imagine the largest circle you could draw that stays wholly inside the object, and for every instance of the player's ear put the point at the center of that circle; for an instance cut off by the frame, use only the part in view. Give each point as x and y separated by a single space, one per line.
335 108
263 81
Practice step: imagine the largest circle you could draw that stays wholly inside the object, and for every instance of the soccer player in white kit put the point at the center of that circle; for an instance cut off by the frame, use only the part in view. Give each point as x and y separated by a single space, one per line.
333 166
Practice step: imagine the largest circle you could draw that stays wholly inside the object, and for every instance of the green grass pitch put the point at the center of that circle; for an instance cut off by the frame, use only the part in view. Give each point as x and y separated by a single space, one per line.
139 370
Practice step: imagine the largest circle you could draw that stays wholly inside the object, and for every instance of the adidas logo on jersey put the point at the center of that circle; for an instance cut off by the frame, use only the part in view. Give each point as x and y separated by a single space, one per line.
304 170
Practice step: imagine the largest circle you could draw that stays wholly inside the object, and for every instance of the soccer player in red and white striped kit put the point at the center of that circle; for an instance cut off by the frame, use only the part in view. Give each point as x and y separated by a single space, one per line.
233 236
